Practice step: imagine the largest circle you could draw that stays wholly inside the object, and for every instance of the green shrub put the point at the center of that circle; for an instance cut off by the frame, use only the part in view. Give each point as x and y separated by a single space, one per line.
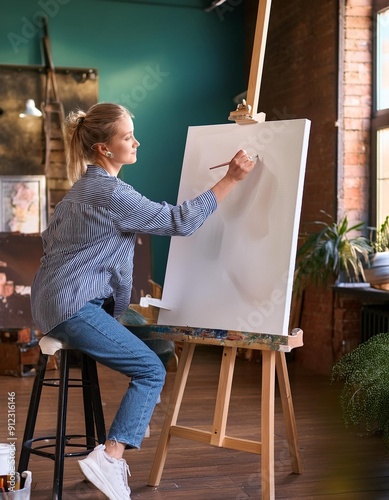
364 396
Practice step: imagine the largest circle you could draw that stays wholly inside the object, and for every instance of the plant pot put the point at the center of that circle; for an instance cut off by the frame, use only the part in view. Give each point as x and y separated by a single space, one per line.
378 272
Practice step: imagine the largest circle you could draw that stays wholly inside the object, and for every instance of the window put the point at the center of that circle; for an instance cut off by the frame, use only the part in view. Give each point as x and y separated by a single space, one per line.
380 118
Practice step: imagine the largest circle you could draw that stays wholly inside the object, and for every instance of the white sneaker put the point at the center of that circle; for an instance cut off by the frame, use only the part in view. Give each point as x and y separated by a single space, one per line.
108 474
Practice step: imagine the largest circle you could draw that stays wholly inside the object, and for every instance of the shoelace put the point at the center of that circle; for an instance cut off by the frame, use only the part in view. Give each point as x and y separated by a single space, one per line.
125 470
122 469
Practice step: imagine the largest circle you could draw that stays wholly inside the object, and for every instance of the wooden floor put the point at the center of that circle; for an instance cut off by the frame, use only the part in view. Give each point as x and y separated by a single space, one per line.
338 464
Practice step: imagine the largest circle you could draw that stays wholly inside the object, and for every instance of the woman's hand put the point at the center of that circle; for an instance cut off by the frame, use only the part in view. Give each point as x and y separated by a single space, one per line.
241 165
238 168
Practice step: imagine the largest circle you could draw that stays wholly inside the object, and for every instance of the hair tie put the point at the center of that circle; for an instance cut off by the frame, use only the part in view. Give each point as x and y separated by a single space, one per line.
80 120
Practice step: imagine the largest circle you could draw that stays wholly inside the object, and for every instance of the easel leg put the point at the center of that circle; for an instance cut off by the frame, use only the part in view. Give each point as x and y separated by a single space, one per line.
288 411
267 424
223 396
172 413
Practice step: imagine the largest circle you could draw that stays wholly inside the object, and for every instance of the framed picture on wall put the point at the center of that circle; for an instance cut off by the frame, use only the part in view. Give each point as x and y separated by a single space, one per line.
23 203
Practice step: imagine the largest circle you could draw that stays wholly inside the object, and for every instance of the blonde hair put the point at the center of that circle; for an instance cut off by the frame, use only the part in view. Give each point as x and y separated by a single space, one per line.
82 130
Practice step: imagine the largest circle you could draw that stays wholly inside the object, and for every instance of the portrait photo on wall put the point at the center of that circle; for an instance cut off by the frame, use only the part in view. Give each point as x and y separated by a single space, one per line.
22 203
20 256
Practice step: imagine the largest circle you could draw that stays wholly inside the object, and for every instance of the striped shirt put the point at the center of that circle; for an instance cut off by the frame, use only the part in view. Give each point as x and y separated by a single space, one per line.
88 246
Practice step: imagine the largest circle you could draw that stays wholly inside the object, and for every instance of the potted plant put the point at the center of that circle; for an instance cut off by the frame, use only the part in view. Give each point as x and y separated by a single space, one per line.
334 251
364 396
381 243
377 274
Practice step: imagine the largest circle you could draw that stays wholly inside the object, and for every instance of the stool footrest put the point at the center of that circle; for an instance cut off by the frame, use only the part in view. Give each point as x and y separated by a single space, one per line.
37 450
79 383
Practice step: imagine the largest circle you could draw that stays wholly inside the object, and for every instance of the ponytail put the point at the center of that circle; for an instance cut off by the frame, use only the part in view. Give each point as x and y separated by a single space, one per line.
76 160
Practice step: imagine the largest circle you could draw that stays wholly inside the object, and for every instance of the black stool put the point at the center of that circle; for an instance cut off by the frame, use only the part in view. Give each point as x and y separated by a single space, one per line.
93 413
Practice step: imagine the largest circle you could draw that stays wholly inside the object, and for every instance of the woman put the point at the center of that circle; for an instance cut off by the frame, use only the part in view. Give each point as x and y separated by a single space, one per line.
85 278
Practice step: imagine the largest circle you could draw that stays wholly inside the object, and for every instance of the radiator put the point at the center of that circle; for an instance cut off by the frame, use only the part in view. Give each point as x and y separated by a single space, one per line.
374 319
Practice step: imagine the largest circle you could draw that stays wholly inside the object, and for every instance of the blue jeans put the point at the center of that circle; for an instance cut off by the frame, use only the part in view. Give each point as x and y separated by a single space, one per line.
96 333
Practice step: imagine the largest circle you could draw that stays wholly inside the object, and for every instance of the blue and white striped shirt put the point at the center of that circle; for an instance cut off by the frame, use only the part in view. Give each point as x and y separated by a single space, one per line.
88 246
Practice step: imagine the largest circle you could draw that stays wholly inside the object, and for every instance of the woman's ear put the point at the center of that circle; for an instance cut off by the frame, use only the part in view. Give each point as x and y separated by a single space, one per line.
100 148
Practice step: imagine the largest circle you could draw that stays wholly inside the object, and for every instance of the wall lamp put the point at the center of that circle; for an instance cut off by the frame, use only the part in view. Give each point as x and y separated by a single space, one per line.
31 109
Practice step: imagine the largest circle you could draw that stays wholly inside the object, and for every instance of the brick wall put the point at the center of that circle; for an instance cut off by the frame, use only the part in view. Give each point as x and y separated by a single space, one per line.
354 176
354 161
304 64
347 317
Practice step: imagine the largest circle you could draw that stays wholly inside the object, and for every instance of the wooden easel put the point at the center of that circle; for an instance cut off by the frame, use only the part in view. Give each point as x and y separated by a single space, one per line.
273 362
273 351
246 112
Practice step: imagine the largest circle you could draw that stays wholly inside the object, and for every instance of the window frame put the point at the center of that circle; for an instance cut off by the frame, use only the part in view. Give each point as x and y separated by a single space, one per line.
379 118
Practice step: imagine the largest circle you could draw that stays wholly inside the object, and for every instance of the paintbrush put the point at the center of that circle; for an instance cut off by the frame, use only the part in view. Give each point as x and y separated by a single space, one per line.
251 158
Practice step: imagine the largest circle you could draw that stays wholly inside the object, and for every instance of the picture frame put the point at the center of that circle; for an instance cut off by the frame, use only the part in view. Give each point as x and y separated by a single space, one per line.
23 205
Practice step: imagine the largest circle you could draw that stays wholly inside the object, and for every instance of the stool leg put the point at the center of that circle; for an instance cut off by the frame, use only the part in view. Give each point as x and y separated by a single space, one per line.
32 412
94 393
88 403
61 425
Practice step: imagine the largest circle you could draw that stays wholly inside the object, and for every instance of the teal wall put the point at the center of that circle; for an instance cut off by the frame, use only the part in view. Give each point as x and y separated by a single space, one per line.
172 66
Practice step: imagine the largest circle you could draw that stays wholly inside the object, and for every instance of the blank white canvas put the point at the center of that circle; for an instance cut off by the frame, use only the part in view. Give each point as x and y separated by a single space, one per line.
236 271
